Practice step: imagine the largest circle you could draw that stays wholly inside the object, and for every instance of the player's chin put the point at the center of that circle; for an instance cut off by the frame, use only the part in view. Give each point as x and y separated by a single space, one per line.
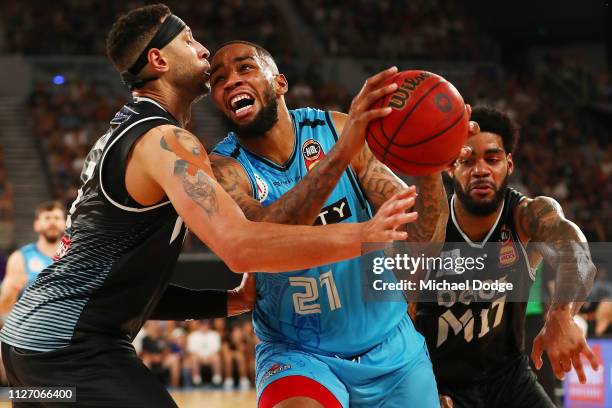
482 198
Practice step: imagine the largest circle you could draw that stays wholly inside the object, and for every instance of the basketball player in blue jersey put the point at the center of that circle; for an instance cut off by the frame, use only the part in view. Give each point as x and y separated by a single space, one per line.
143 183
477 345
24 264
322 344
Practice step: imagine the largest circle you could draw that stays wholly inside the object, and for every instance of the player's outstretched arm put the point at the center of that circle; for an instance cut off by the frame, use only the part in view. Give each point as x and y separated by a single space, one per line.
174 160
13 283
564 247
302 204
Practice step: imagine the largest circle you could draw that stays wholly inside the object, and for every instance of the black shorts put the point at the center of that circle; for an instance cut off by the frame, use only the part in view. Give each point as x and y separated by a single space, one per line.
104 372
517 387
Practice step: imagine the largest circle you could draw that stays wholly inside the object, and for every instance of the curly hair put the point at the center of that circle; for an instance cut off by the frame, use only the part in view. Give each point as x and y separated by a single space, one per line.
132 32
495 121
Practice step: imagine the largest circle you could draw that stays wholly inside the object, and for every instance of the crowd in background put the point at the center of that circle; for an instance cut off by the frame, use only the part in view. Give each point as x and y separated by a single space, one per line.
217 353
33 30
396 29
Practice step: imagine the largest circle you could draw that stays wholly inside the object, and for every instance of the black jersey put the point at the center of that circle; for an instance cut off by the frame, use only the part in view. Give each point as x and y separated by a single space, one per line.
117 256
473 334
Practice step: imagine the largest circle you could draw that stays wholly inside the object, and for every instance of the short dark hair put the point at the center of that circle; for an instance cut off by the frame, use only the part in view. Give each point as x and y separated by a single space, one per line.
261 51
496 121
132 32
48 206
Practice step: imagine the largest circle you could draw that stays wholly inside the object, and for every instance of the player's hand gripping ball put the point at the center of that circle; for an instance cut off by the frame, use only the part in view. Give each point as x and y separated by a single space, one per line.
426 129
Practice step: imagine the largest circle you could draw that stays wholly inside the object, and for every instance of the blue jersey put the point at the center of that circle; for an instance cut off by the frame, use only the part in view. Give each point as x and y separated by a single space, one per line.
34 260
322 309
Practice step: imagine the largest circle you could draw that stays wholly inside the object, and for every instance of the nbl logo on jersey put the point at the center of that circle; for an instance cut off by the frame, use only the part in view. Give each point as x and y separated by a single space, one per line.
507 250
312 152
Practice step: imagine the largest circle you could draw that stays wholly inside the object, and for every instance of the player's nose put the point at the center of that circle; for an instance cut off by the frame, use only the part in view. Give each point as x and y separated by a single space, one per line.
481 169
203 52
233 80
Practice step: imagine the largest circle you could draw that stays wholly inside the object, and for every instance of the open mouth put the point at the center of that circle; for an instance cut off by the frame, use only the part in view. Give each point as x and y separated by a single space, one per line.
241 103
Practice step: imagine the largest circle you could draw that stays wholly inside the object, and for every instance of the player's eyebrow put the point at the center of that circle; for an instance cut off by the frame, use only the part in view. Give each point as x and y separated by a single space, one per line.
244 58
495 150
239 58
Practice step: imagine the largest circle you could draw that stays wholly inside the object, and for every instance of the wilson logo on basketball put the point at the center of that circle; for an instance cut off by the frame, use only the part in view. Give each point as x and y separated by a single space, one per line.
312 152
399 97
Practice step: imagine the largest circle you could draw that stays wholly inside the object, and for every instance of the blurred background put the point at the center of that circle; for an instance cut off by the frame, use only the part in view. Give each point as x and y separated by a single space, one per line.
545 62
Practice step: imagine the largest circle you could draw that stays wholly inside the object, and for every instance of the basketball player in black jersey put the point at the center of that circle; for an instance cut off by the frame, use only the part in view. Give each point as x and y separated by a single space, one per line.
477 347
144 182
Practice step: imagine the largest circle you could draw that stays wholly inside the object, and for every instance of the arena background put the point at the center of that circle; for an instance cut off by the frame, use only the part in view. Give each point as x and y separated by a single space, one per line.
546 62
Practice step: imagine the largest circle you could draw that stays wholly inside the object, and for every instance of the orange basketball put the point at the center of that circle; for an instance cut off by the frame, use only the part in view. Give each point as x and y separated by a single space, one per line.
427 127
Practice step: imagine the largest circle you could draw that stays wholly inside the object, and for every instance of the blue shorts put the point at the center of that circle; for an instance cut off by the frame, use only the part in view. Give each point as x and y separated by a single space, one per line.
394 373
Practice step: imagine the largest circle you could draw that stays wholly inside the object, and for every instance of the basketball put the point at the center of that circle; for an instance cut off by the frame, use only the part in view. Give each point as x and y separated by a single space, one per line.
426 129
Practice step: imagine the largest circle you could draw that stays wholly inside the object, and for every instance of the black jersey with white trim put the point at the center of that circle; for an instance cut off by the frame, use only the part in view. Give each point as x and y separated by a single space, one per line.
116 258
471 340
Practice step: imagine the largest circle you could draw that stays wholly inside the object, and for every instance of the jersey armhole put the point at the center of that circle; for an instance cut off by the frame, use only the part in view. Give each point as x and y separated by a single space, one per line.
532 271
117 154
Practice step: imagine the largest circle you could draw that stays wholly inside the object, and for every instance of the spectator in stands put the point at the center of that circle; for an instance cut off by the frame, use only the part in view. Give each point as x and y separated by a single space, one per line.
203 347
233 352
157 354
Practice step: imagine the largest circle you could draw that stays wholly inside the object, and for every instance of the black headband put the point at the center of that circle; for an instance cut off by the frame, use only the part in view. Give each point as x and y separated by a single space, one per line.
170 28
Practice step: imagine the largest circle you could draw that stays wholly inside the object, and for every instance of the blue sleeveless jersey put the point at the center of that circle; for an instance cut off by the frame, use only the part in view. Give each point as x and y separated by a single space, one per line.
320 309
35 261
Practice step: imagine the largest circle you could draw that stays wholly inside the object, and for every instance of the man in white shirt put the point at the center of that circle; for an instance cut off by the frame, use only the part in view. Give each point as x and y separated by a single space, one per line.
203 345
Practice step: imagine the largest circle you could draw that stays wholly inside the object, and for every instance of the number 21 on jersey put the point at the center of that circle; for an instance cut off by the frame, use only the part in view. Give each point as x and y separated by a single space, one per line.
307 302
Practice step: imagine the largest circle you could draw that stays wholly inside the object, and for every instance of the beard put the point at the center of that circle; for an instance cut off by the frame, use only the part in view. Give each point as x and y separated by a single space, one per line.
481 208
264 121
52 236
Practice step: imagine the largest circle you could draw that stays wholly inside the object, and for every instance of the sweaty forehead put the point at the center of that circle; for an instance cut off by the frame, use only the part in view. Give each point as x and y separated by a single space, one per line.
485 142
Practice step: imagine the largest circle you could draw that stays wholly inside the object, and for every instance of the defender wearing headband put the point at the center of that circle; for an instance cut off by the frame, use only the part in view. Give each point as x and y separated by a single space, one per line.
144 181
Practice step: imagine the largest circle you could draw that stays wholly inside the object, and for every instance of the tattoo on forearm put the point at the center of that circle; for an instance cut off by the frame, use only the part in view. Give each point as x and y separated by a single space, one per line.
431 204
189 166
378 183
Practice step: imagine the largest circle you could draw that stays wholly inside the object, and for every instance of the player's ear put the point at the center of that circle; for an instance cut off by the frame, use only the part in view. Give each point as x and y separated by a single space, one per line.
158 61
281 86
510 163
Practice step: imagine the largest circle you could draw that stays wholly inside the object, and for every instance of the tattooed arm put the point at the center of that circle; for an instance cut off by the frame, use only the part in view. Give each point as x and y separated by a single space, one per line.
379 183
564 247
172 162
